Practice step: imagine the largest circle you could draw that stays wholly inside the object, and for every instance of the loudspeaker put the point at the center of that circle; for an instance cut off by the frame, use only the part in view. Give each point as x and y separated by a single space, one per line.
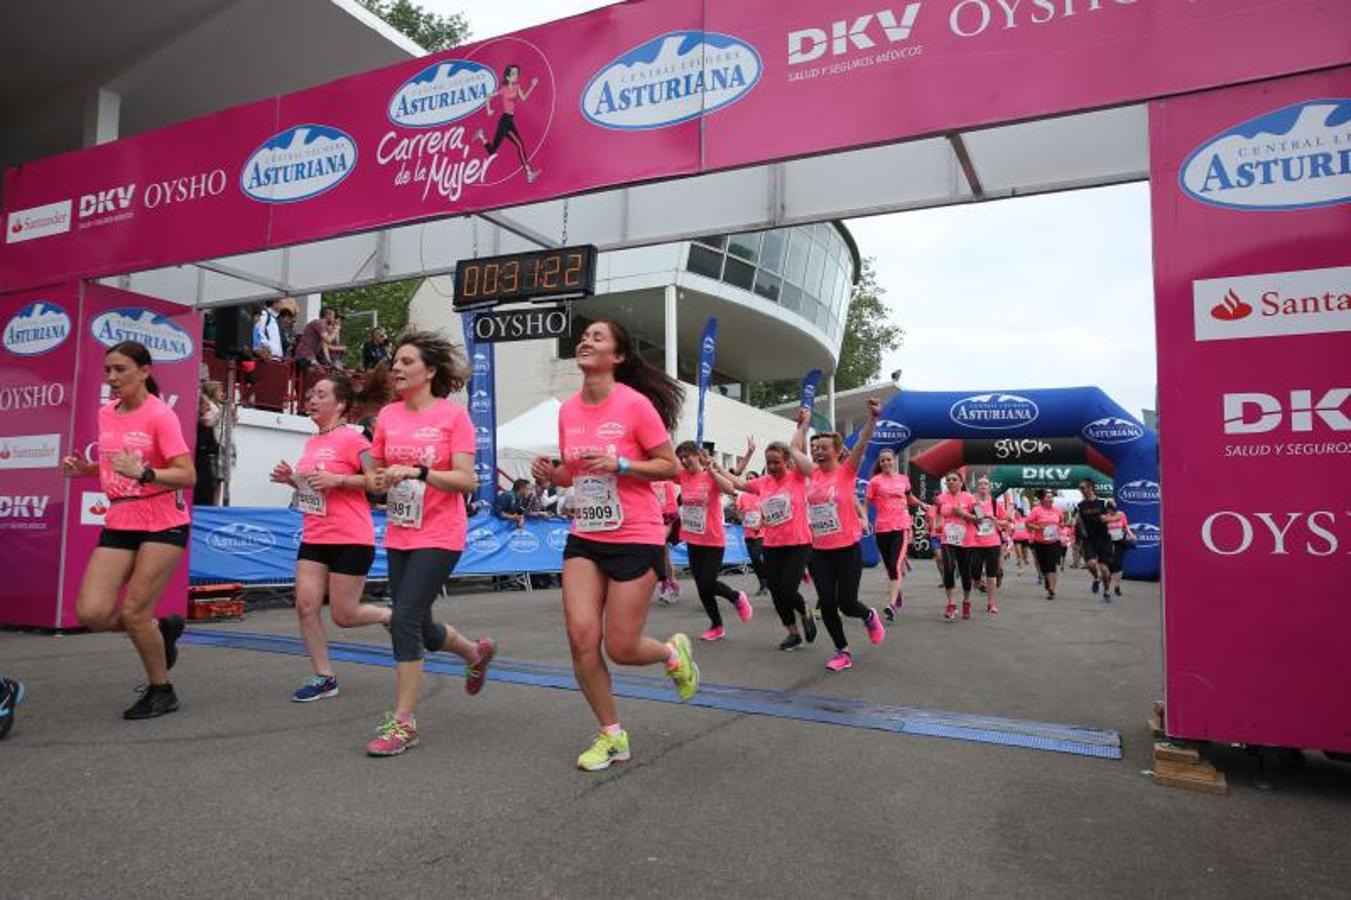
234 332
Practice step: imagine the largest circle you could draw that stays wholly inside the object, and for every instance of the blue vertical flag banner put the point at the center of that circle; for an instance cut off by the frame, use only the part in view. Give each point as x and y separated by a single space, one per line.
809 383
708 351
482 409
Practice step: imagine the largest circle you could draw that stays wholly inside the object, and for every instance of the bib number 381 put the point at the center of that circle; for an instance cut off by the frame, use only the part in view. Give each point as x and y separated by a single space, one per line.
404 503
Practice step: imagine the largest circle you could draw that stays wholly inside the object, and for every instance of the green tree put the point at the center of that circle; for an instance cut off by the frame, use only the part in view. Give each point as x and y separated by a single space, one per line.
431 31
868 336
363 307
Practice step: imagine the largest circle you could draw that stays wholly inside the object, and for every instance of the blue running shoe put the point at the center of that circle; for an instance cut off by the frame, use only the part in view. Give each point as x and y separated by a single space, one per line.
317 688
11 695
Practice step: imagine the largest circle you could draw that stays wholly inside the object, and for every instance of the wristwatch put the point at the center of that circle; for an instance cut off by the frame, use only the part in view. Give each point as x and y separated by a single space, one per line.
147 475
622 467
422 473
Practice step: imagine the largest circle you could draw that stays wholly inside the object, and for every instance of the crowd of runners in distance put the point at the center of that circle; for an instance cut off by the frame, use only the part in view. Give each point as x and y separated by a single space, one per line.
633 495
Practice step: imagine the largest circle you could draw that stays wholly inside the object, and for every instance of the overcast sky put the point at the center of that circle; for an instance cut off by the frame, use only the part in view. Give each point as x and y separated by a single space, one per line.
1050 291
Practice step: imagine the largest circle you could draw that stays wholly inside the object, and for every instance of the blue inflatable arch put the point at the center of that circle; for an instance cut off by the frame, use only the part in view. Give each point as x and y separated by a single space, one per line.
1052 412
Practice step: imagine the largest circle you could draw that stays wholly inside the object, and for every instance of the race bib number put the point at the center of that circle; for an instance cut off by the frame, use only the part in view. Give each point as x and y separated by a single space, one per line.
777 509
824 519
751 519
598 506
307 499
1050 532
1116 534
985 527
404 503
954 533
693 518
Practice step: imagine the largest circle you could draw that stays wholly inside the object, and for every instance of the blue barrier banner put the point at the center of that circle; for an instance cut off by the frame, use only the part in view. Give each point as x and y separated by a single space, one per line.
258 545
708 351
482 410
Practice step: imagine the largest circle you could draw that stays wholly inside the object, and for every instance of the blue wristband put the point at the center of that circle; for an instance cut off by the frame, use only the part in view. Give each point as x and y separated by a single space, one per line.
623 466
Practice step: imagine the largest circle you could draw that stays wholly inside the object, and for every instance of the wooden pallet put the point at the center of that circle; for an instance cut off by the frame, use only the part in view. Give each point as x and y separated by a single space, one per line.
1179 766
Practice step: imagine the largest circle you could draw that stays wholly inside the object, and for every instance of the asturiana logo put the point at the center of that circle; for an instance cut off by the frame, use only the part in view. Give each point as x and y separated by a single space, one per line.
1297 157
557 539
443 92
523 542
672 78
241 539
1147 535
301 162
165 340
889 431
1231 308
1140 491
1112 430
37 328
482 540
994 412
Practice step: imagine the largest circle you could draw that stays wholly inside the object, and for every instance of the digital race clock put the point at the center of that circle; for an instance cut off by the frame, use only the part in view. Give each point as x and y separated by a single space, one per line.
564 272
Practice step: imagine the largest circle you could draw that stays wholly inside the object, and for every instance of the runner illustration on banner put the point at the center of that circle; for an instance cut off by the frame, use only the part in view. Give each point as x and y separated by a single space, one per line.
511 93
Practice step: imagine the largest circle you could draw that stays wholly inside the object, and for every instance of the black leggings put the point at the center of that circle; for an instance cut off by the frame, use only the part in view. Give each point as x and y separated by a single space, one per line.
986 558
835 575
415 580
1048 557
784 567
755 549
506 128
704 565
955 565
889 544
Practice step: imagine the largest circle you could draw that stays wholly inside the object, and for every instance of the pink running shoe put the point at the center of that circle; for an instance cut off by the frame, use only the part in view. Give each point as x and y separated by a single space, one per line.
966 609
714 634
744 610
840 661
950 614
476 673
877 632
393 737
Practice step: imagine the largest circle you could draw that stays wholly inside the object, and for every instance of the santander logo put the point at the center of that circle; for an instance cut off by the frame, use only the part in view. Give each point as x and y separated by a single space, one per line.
1231 308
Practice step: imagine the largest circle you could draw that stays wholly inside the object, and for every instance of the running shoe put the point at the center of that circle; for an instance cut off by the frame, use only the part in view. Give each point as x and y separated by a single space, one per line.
809 629
877 632
714 634
1094 588
744 610
890 612
155 700
393 737
966 609
476 673
317 688
792 642
840 661
604 750
11 695
685 675
479 136
1117 590
992 609
171 629
950 613
1050 595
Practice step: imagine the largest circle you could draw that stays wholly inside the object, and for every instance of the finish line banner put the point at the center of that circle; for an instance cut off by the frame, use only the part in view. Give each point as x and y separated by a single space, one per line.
258 545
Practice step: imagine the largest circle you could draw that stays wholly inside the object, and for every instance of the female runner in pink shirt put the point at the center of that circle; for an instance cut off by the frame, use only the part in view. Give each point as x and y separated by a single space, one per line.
144 466
985 542
952 510
668 589
752 533
702 530
614 439
832 512
890 495
423 454
1018 526
1046 524
337 544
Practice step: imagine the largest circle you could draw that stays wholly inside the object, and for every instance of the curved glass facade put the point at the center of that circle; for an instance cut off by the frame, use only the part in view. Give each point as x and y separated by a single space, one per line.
807 269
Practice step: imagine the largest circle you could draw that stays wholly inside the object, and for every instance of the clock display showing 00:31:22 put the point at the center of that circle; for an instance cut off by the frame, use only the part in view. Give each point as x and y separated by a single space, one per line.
525 276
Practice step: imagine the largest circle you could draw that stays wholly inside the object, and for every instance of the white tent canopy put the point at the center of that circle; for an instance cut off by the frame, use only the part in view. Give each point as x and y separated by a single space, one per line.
533 433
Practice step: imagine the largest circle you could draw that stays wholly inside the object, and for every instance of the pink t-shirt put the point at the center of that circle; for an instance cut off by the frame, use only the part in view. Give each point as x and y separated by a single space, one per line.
953 527
1037 521
346 517
748 503
612 508
1116 527
832 508
888 494
666 492
429 437
1019 526
783 508
152 434
509 94
935 523
701 505
989 535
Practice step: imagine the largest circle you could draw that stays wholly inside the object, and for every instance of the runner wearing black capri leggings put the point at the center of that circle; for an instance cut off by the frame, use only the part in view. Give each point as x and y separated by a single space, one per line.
953 508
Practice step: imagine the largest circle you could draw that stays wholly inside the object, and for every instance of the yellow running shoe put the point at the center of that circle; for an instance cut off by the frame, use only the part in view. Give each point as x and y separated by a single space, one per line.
685 675
605 750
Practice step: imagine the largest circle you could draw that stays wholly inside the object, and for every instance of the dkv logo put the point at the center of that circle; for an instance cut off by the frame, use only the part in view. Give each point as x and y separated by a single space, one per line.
808 44
1253 413
1112 430
301 162
444 92
994 412
166 341
1291 158
1140 491
673 78
39 327
241 539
